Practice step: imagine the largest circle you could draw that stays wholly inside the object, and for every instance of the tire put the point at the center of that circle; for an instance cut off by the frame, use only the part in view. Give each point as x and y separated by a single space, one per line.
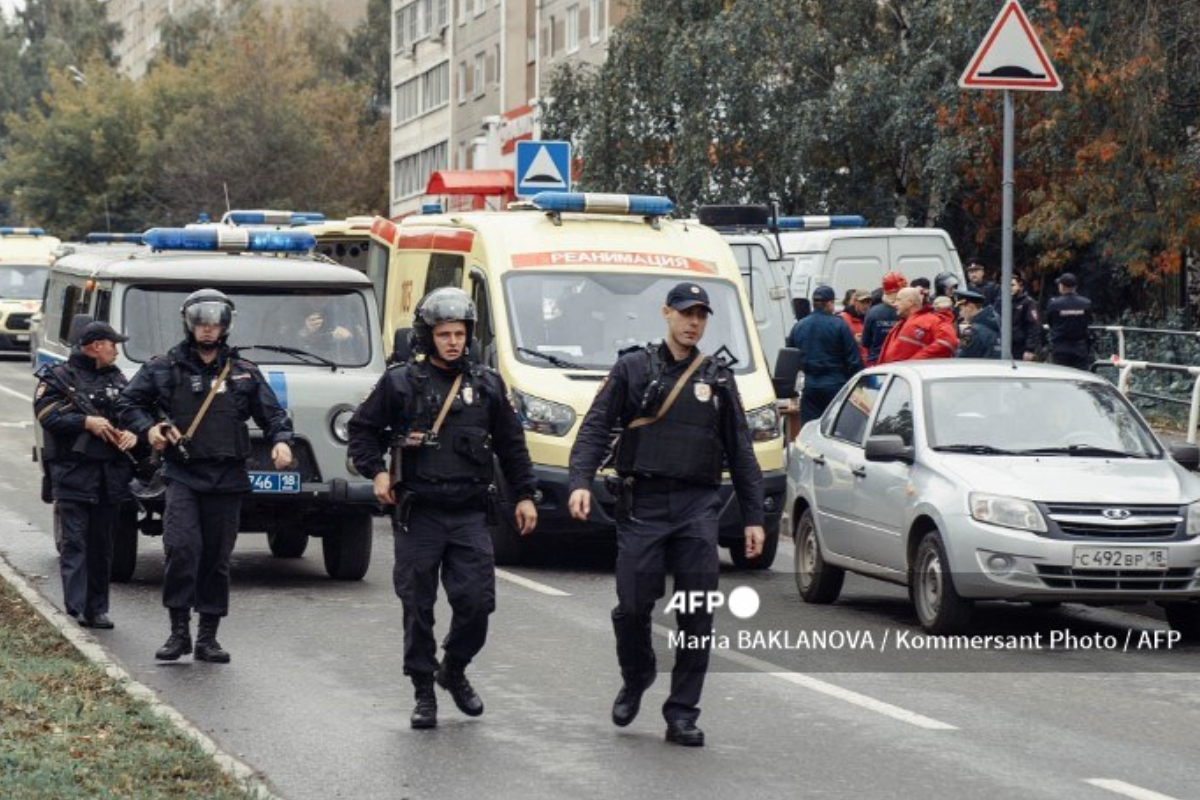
939 607
818 582
347 548
286 535
764 560
125 544
1184 619
508 546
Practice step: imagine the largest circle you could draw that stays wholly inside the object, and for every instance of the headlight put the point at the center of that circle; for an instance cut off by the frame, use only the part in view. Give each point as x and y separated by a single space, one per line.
1193 519
764 423
1009 512
542 416
340 425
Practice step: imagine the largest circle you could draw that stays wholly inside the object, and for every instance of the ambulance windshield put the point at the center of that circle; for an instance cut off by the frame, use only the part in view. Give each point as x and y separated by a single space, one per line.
587 318
19 282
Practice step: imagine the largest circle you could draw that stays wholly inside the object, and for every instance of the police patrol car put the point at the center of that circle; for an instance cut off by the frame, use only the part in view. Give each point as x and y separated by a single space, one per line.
25 256
311 326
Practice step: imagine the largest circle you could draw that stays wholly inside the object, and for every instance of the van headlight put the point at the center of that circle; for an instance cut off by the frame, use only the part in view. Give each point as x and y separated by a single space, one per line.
1193 519
1009 512
764 423
542 416
340 425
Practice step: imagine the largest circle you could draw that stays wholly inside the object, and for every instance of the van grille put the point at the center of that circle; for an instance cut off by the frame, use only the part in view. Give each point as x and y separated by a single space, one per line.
1117 580
1088 521
18 322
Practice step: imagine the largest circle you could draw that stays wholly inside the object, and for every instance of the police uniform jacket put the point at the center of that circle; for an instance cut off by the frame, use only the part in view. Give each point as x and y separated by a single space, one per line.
621 399
1026 325
829 354
175 385
94 471
877 324
980 338
1069 316
408 398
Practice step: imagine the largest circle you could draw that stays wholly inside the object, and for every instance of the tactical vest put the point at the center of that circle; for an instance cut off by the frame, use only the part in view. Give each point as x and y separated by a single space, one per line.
221 435
462 452
685 443
101 389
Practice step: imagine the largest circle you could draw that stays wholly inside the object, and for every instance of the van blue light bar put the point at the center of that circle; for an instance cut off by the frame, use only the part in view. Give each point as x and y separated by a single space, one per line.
230 240
431 208
22 231
114 238
816 222
272 217
641 204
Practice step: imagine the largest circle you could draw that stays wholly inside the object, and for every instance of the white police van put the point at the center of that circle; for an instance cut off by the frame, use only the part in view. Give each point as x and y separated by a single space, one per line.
278 287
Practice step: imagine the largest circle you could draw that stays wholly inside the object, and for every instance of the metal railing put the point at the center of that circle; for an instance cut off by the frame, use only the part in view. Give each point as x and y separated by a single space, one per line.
1126 367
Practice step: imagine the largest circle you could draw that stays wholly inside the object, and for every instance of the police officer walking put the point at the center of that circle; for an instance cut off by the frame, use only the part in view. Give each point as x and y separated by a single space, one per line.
1026 327
90 471
449 416
206 392
681 418
1069 316
829 356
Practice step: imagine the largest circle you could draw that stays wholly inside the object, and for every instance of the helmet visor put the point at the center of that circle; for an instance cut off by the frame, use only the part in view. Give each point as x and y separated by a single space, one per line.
208 312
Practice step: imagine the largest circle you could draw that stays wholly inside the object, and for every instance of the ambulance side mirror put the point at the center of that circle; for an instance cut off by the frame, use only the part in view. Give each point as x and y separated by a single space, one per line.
787 367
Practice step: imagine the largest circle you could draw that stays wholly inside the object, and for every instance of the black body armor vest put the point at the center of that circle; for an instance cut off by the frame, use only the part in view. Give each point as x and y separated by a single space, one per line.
221 435
102 390
462 452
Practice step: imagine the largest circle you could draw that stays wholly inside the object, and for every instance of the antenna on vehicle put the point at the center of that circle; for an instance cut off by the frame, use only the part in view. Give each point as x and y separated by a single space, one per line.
225 186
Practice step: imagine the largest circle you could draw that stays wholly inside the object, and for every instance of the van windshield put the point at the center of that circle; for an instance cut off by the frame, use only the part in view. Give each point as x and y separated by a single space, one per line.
20 282
331 324
585 319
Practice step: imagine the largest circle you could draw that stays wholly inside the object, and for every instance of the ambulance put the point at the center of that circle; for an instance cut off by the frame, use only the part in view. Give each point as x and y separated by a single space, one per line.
25 258
562 284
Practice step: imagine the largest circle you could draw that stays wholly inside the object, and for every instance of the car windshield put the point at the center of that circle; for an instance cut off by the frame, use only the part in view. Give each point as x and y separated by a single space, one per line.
19 282
1006 416
315 326
583 320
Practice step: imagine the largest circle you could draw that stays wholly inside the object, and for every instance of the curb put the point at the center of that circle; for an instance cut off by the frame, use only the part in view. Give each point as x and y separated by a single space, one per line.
249 778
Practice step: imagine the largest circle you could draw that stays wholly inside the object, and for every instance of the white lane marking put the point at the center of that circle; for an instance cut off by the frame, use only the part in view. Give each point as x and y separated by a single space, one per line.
25 424
528 584
1127 789
830 689
16 394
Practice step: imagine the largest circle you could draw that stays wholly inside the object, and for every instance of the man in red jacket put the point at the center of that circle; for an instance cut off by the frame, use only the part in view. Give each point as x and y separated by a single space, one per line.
922 333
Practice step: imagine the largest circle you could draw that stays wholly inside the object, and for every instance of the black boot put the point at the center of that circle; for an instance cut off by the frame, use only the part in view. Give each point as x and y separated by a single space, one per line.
451 677
207 646
180 641
425 713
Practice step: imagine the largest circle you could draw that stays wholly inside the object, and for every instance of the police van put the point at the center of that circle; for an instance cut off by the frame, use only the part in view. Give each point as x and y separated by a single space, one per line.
562 284
311 326
25 257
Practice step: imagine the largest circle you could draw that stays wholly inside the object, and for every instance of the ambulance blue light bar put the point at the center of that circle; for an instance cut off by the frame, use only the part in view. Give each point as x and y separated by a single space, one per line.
230 239
272 218
643 204
812 222
22 231
114 238
431 208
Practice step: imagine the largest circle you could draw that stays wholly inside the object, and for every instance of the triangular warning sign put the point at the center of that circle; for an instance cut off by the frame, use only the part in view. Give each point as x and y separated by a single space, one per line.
1011 57
544 172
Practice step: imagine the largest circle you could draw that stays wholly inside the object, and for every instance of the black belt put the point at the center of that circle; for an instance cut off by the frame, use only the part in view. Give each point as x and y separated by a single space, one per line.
660 484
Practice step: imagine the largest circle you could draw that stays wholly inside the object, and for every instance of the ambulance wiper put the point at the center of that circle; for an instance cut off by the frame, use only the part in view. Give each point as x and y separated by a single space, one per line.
555 360
295 351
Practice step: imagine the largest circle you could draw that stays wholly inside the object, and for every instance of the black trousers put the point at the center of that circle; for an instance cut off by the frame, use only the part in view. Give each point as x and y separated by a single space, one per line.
814 400
676 532
86 557
1076 360
457 545
199 531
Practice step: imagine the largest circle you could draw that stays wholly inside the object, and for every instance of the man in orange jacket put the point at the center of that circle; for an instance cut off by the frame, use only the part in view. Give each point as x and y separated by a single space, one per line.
922 333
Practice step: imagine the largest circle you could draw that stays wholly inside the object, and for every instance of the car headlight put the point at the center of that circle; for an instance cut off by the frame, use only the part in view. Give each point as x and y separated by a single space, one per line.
764 423
340 425
1193 519
542 416
1009 512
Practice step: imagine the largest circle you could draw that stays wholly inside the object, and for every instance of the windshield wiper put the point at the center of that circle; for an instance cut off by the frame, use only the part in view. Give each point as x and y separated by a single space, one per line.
295 351
975 449
1081 450
555 360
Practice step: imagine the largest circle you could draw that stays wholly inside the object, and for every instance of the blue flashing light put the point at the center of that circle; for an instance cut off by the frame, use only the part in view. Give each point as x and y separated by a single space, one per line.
272 218
114 238
6 231
203 218
431 208
811 222
229 239
631 204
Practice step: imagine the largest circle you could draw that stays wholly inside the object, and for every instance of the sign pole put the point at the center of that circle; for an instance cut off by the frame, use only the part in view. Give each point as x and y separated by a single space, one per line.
1006 229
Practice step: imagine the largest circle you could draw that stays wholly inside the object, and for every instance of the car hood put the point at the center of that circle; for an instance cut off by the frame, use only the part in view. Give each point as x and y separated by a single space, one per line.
1068 479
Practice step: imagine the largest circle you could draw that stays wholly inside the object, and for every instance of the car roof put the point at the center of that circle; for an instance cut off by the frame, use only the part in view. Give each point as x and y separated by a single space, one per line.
140 265
820 239
942 368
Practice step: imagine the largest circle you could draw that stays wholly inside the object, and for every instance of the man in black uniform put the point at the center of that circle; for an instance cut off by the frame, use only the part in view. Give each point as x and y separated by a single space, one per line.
89 475
1069 316
449 416
976 282
207 392
682 419
1026 325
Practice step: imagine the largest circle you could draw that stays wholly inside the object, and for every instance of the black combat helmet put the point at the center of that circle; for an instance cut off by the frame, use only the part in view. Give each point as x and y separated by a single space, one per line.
448 304
945 284
207 307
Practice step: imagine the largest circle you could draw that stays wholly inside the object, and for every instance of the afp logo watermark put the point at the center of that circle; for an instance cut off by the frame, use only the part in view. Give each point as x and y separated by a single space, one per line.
742 602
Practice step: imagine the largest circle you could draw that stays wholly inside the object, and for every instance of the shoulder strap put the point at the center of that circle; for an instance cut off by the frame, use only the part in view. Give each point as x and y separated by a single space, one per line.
675 390
212 391
441 417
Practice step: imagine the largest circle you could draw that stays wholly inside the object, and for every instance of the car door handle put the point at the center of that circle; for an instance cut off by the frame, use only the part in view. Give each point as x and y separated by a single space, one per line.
819 460
860 471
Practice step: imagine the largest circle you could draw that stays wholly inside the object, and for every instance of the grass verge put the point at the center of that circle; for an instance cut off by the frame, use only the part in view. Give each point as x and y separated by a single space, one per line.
68 730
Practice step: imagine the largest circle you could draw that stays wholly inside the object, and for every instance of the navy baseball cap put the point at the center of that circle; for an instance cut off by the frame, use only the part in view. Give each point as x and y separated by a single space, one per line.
685 295
823 294
1067 279
99 331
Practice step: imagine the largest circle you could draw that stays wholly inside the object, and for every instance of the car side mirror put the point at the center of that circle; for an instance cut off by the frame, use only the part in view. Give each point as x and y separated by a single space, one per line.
1186 456
787 367
888 448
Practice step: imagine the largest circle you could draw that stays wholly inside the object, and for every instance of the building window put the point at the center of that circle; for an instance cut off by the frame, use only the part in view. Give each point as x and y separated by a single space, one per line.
399 31
530 50
477 80
442 14
462 10
408 101
573 29
499 66
435 87
462 81
411 173
548 38
596 18
480 7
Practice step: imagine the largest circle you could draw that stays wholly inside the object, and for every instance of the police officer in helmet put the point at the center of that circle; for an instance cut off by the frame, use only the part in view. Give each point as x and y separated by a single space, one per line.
85 454
449 417
682 421
192 404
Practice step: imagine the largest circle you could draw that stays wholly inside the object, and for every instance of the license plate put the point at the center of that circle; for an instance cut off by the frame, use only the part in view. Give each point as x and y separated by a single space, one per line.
21 337
1121 558
275 482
